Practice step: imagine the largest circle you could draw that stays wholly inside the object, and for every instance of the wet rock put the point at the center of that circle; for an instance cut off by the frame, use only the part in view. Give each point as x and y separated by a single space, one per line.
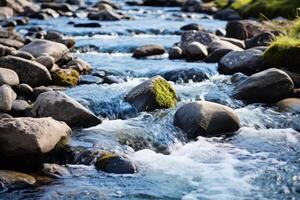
57 6
216 55
223 45
237 42
238 77
185 75
294 76
63 108
19 106
268 86
202 37
8 77
6 98
107 2
248 62
55 170
112 163
24 89
289 105
148 50
22 21
155 93
65 77
263 39
111 79
29 72
47 61
25 140
41 47
195 51
207 119
105 15
227 14
87 25
175 53
24 55
243 29
192 27
89 79
11 43
54 36
79 65
15 180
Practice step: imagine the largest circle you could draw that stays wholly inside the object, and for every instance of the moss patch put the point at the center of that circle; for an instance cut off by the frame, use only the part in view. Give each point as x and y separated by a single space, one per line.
165 94
68 77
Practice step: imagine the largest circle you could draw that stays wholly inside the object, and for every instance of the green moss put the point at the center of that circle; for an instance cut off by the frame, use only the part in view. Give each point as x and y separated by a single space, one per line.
68 77
284 52
238 4
165 94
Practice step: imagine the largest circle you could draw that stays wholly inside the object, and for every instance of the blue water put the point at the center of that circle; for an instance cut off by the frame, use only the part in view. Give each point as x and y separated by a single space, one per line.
260 162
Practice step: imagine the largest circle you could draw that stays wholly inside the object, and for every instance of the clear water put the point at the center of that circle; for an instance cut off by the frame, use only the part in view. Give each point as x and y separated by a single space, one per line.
260 162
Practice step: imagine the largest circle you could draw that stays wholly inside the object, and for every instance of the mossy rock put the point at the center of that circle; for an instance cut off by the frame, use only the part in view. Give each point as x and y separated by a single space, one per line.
112 163
65 77
284 52
152 94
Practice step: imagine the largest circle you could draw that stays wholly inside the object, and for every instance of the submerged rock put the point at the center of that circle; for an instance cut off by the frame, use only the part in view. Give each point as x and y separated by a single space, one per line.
148 50
63 108
155 93
267 86
112 163
206 119
25 140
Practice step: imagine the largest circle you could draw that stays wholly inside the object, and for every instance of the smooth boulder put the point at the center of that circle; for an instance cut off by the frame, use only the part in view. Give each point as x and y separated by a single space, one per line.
185 75
63 108
289 105
248 62
15 180
268 86
195 51
30 72
6 98
207 119
155 93
148 50
8 77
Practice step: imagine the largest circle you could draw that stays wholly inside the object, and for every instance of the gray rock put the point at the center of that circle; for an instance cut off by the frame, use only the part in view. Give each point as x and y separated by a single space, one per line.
8 77
19 106
25 140
289 105
243 29
192 27
39 47
15 180
89 79
175 53
155 93
5 115
202 37
64 7
105 15
195 51
55 170
29 72
206 119
24 89
268 86
148 50
248 62
263 39
47 61
185 75
63 108
24 55
216 55
6 12
4 50
6 98
227 14
11 43
221 44
41 89
237 42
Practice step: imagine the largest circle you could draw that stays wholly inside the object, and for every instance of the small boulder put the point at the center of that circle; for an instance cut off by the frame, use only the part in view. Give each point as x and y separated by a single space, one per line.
227 14
195 51
243 29
206 119
55 170
202 37
289 105
192 27
267 86
216 55
30 72
79 65
221 44
15 180
175 53
152 94
63 108
24 89
8 77
64 7
19 106
40 47
112 163
47 61
263 39
105 15
11 43
148 50
248 62
6 98
185 75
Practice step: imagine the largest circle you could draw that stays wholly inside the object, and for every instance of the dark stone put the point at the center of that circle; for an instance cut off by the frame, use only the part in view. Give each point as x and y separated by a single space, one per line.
185 75
216 55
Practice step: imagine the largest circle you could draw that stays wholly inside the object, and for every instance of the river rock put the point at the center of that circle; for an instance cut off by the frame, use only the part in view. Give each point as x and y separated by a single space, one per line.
79 65
25 140
64 7
63 108
169 3
24 55
263 39
192 27
248 62
15 180
39 90
55 170
199 6
206 119
105 15
289 104
195 51
185 75
41 47
47 61
267 86
243 29
175 53
29 72
19 106
6 98
8 77
221 44
5 115
216 55
152 94
148 50
89 79
24 89
112 163
4 50
237 42
87 25
202 37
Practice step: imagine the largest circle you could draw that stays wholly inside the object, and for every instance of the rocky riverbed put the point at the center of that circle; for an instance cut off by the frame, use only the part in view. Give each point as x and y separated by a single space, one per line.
146 100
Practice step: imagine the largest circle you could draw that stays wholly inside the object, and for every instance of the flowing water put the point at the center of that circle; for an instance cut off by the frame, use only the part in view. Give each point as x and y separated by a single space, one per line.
261 161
